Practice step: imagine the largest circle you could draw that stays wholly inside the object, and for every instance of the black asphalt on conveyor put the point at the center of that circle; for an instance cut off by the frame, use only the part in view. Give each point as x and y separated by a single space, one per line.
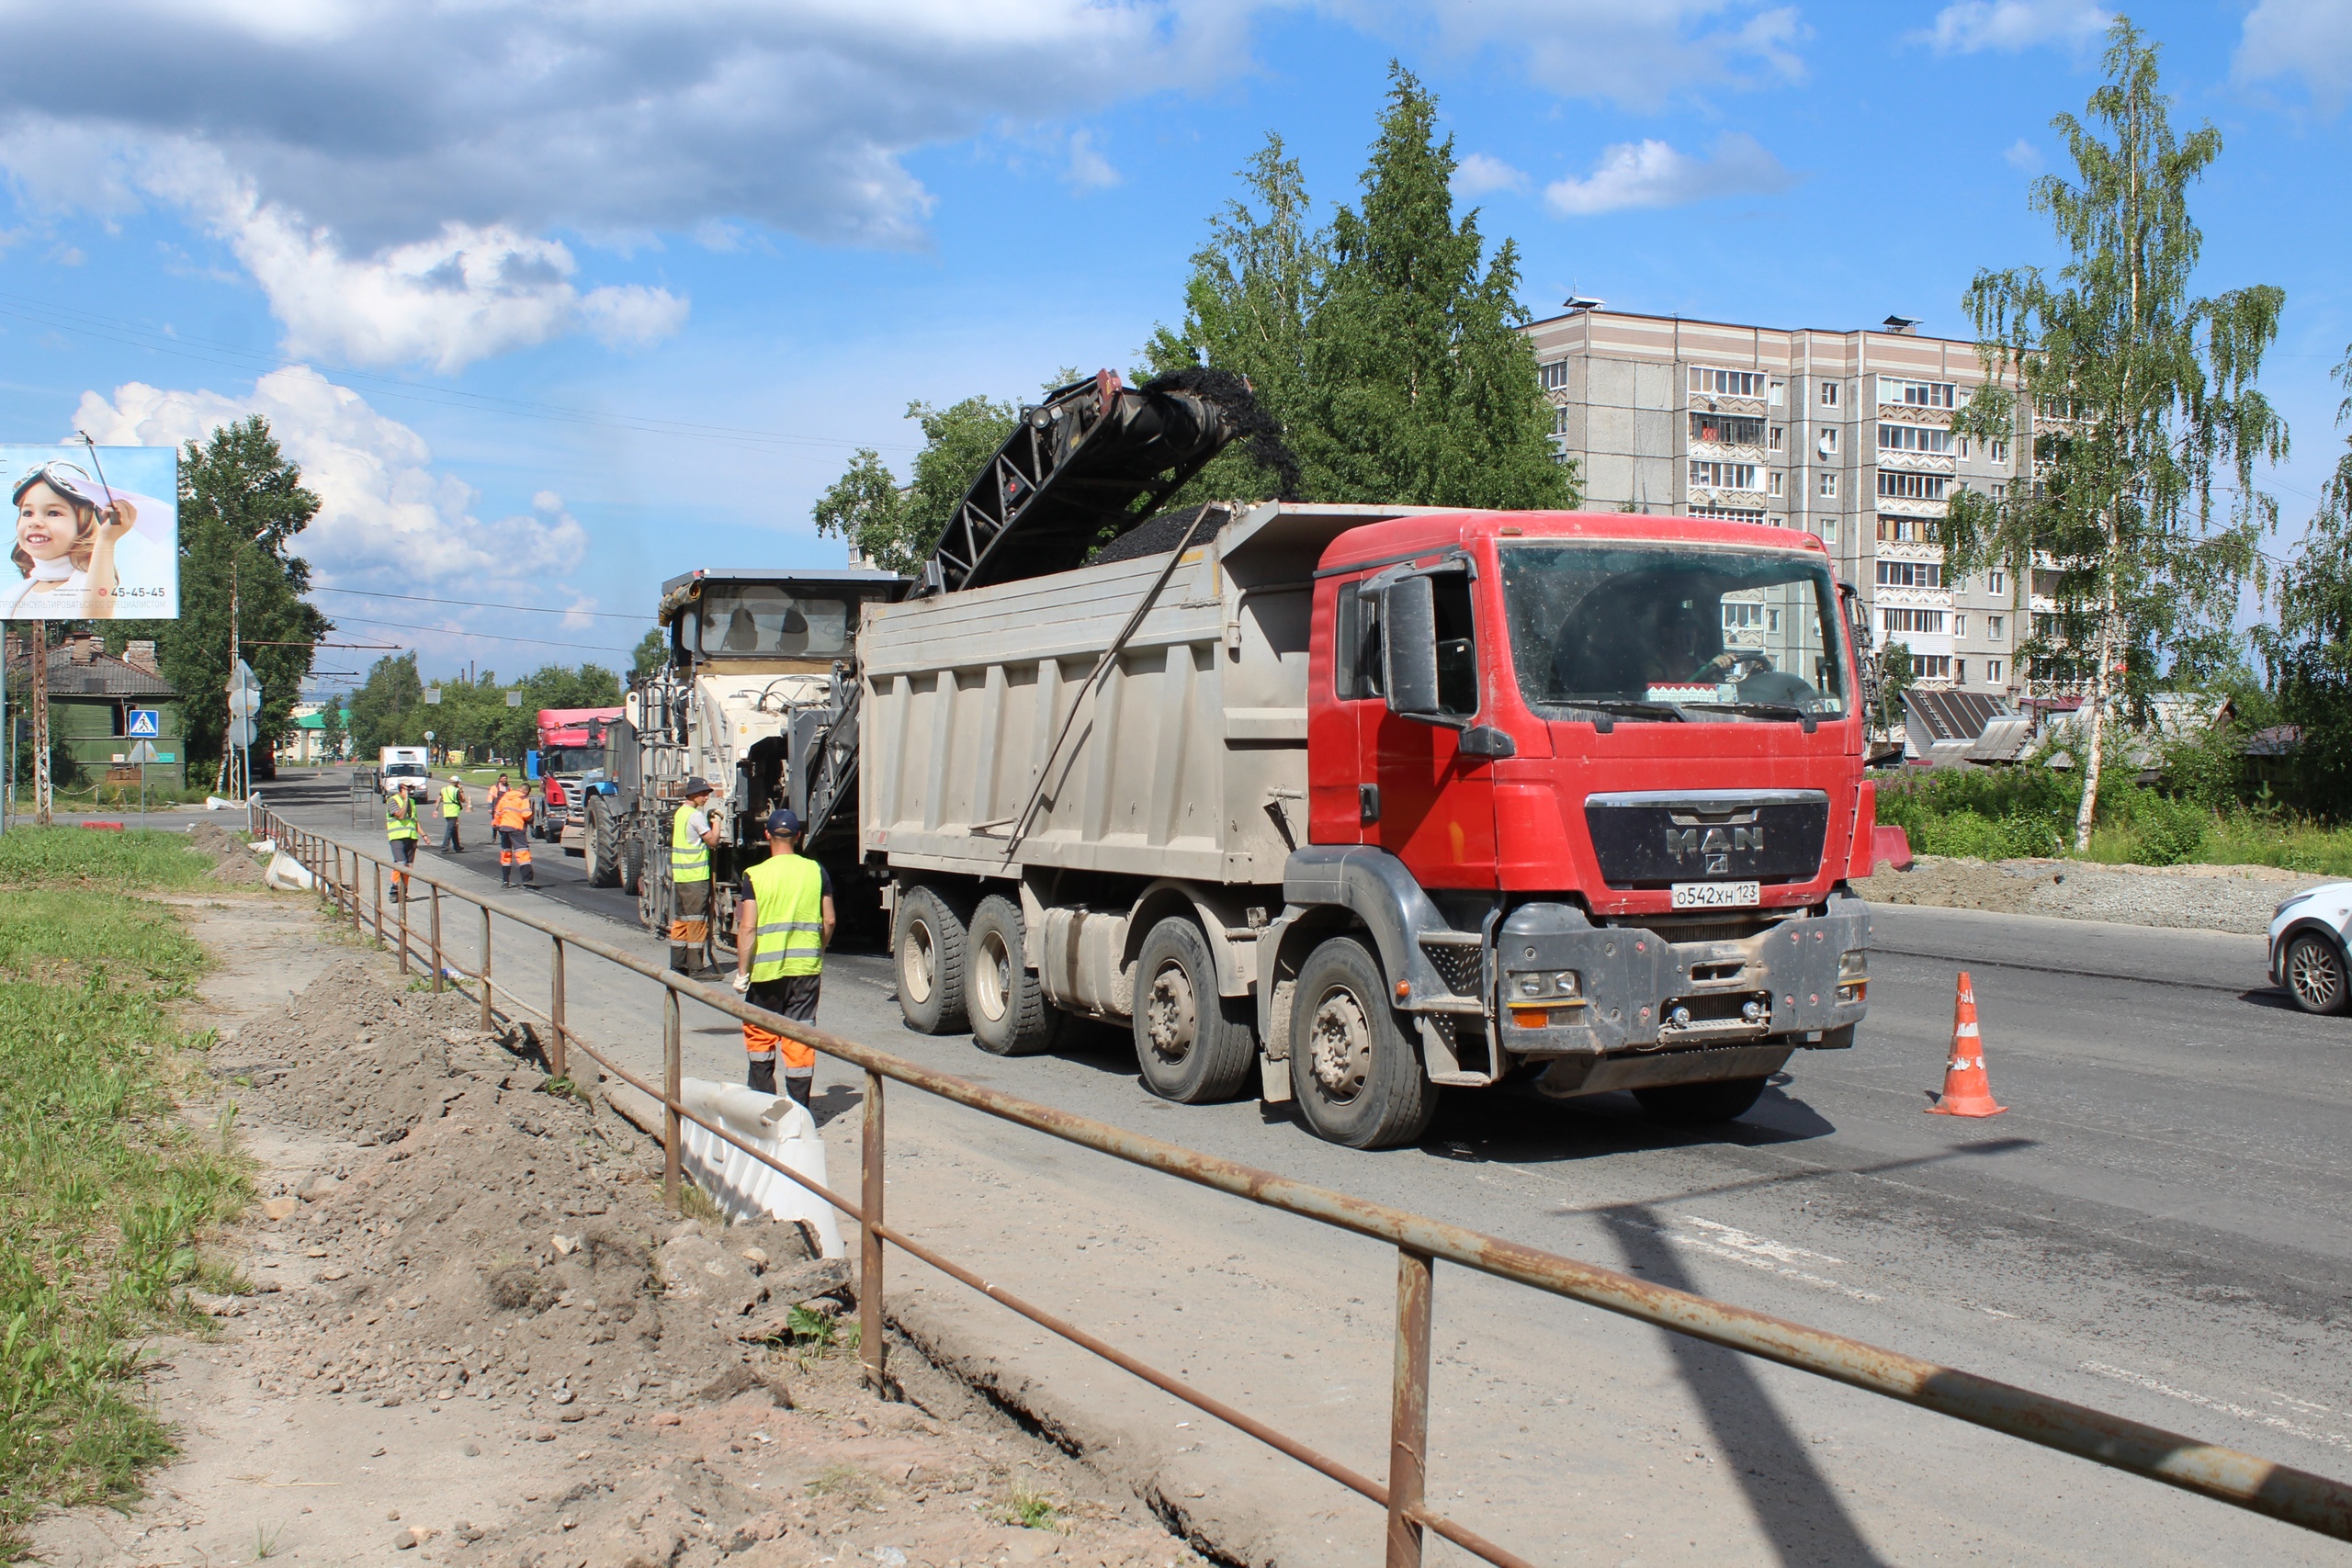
2159 1226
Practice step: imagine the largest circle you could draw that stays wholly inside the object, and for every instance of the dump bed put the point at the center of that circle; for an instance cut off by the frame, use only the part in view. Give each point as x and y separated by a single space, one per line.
986 750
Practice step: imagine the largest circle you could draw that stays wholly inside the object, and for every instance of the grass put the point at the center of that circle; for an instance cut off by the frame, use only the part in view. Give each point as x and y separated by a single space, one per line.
1030 1509
84 858
104 1189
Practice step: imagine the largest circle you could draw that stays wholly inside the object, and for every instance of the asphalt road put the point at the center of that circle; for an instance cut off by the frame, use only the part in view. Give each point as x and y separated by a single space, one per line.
2158 1226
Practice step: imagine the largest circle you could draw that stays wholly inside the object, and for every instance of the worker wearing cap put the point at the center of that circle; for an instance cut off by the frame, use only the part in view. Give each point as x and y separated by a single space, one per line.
783 925
693 835
510 817
453 801
399 831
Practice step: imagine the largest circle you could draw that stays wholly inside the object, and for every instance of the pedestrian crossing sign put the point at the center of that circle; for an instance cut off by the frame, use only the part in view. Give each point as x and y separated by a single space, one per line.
145 723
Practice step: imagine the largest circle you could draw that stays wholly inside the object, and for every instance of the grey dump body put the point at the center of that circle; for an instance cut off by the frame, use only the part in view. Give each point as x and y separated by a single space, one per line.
1012 741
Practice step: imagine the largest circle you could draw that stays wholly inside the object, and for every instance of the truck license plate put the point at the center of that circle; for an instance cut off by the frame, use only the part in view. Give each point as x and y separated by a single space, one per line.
1715 894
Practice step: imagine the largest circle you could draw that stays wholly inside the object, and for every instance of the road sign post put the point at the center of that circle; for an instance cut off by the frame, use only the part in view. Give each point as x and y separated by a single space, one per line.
244 703
143 753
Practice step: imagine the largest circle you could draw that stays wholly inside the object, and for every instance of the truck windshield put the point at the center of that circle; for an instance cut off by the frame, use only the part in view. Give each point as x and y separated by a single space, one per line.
757 618
1672 633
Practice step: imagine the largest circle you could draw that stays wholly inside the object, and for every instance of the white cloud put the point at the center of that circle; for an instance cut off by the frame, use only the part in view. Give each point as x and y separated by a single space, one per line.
2012 25
2311 39
1635 55
386 512
1478 174
2023 155
1089 169
1653 174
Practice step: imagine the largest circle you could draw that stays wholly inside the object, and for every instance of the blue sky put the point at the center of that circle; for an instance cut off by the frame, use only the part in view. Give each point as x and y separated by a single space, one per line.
553 305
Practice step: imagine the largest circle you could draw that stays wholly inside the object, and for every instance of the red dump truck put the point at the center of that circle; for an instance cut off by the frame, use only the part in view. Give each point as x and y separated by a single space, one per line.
1356 805
572 756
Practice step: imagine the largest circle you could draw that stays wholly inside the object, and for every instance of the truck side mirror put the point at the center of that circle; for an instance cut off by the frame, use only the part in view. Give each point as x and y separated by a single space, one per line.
1408 646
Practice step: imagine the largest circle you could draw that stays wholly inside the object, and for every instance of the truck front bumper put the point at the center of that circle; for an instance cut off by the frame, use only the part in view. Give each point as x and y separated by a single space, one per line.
1571 988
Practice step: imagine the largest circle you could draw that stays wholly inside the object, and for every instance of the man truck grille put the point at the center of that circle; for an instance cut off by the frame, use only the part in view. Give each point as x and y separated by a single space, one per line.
1645 840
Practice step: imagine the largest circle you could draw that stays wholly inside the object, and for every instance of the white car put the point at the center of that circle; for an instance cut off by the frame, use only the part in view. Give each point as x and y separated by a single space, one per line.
2307 943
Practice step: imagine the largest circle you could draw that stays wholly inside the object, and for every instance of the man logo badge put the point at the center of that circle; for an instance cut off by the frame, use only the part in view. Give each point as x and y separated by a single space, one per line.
1716 845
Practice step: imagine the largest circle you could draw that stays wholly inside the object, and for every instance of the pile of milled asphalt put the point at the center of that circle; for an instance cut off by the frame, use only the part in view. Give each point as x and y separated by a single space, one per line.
2197 898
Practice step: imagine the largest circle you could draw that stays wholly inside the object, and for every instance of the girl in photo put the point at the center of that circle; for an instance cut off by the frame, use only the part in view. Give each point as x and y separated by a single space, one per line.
67 528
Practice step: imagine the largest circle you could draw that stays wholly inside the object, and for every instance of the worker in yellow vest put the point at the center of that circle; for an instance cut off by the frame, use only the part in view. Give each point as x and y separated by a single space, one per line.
693 835
400 829
783 925
453 804
510 818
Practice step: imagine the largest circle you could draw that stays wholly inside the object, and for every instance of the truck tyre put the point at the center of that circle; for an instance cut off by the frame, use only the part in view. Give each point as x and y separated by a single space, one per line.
1193 1045
632 861
1008 1009
601 846
1701 1104
1355 1068
928 941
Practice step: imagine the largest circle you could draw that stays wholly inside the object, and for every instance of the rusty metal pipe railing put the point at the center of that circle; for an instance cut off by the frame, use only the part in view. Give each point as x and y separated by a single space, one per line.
2294 1497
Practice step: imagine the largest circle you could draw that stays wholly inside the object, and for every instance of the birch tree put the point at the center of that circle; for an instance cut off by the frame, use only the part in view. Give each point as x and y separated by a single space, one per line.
2144 394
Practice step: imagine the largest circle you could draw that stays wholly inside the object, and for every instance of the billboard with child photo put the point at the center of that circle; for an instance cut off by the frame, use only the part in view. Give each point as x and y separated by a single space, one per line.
97 534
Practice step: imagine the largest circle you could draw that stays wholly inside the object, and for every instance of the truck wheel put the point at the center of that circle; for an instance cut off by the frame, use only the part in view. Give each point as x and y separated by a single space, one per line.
1008 1009
601 846
632 863
1701 1104
1193 1045
654 902
1354 1069
928 941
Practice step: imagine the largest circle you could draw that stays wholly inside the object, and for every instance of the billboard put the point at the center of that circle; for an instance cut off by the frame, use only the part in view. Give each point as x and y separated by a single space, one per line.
97 534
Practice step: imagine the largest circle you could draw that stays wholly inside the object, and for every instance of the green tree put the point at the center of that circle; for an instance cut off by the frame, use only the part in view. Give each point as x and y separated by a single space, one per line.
2142 391
333 730
2308 655
388 707
241 504
896 528
652 652
1248 308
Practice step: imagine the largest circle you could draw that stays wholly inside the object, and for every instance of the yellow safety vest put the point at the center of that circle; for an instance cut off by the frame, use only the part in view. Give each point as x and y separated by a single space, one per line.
400 818
689 856
789 901
449 800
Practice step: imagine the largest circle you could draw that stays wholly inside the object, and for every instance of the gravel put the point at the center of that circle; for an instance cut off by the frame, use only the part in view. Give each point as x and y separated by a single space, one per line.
2196 897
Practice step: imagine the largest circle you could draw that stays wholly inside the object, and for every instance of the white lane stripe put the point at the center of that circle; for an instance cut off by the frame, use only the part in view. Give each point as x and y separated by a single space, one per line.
2120 1374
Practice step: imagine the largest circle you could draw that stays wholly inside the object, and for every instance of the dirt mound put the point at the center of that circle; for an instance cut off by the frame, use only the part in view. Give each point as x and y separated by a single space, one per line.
2196 897
238 865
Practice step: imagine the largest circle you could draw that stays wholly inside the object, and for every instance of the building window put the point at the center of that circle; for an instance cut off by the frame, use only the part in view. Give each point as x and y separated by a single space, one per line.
1560 422
1992 671
1916 394
1997 581
2000 455
1960 672
1993 626
1726 514
1772 439
1726 383
1723 475
1829 394
1829 440
1828 483
1777 394
1908 530
1914 438
1726 430
1959 447
2000 494
1932 666
1829 529
1912 486
1910 574
1555 375
1773 483
1960 624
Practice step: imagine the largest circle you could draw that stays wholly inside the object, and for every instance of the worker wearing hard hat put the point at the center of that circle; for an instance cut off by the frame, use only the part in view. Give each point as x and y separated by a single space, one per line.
453 802
510 818
693 835
399 831
783 925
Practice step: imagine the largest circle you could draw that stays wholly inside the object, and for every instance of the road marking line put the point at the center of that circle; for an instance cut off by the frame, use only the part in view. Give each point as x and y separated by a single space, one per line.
1765 1262
2334 1440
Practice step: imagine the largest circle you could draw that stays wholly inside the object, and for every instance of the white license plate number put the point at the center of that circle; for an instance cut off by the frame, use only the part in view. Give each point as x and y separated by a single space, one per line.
1715 894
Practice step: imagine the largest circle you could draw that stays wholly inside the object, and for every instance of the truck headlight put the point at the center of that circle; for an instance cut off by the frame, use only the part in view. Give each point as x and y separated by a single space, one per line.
1853 976
1565 983
1532 985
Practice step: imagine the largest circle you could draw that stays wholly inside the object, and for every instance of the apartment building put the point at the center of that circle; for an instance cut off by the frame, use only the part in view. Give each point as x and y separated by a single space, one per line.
1846 434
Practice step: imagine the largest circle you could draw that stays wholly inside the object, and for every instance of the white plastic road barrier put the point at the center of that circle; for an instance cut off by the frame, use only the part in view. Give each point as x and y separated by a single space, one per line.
741 1186
288 875
214 803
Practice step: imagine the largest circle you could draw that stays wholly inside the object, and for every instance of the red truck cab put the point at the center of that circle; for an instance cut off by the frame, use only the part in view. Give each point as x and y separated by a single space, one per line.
1494 701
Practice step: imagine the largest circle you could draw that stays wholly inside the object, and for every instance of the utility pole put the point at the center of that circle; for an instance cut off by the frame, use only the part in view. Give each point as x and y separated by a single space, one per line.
40 724
236 652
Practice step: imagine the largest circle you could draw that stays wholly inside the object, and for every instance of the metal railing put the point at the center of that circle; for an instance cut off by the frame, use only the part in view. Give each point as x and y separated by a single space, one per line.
2244 1481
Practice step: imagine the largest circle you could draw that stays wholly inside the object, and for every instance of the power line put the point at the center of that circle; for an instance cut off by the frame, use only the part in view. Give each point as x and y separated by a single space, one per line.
112 328
485 604
493 636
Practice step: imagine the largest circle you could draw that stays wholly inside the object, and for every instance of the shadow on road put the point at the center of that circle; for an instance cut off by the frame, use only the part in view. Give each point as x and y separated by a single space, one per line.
1795 1504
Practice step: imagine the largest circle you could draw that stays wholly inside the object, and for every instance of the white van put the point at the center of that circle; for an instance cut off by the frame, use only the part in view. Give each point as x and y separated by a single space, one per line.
397 762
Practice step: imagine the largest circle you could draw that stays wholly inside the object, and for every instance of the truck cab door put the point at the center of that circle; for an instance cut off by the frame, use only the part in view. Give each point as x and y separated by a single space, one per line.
1435 806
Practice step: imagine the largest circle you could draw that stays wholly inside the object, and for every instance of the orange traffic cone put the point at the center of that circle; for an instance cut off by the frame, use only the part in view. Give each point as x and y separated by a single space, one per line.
1967 1091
